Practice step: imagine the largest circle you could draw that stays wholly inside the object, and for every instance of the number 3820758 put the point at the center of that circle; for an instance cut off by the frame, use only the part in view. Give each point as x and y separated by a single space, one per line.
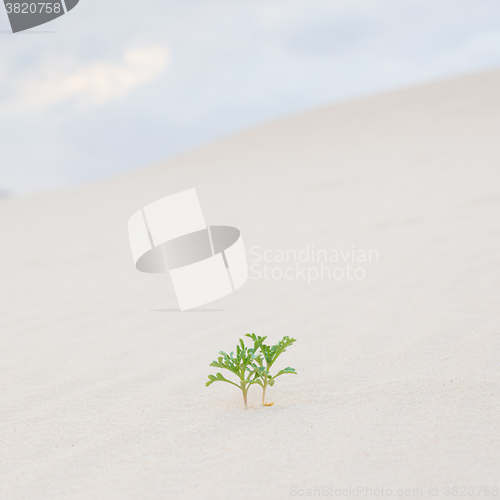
33 8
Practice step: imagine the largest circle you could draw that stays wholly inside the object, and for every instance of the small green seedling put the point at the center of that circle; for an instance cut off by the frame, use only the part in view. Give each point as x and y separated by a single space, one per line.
239 365
252 365
265 360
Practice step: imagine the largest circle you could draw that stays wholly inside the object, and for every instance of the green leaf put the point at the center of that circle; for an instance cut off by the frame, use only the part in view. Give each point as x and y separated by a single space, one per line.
286 370
251 365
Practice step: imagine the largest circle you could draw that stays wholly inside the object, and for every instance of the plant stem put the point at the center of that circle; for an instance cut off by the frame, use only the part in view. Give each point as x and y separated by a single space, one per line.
244 390
264 387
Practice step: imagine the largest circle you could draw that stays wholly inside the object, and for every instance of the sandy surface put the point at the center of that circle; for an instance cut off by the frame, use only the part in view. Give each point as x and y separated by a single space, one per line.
103 391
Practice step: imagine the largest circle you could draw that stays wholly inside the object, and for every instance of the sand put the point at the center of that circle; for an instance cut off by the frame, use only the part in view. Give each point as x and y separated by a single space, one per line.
103 391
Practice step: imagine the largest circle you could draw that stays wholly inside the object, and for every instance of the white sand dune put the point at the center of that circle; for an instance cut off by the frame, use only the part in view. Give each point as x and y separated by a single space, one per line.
103 391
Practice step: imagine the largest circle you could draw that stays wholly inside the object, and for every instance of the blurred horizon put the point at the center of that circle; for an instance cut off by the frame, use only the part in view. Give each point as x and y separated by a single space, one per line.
110 88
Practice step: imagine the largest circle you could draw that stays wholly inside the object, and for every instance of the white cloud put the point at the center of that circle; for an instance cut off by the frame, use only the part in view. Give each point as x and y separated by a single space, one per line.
63 80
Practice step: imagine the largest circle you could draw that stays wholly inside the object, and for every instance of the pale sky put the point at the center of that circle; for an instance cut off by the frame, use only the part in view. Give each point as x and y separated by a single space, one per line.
114 86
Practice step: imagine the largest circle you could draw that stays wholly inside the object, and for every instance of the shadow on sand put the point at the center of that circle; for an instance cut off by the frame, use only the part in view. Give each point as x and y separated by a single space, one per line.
188 311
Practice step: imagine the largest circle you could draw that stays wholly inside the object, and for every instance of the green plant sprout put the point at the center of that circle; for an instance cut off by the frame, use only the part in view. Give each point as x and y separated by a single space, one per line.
239 365
252 365
265 360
